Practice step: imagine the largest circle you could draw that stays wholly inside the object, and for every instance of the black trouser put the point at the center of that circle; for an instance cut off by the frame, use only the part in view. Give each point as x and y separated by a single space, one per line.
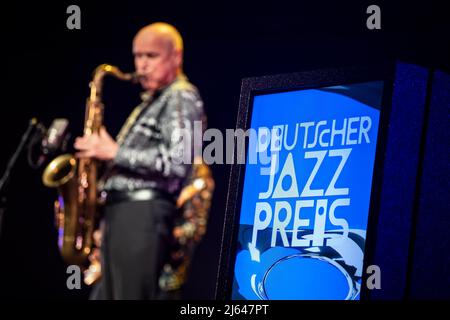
134 248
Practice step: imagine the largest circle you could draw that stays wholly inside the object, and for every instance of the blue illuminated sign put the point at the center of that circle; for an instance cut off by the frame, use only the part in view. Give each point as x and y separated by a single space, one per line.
306 193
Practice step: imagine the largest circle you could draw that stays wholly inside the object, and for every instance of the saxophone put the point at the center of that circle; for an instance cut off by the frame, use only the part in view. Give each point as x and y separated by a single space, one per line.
76 180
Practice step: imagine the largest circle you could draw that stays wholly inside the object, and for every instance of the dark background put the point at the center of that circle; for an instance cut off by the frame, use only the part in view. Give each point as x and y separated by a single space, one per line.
48 68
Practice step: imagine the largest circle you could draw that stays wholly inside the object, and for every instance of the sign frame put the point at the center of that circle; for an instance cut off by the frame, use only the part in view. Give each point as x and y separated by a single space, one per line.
322 78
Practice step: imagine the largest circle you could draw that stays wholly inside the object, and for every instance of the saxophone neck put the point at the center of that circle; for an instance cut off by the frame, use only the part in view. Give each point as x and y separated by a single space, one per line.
100 72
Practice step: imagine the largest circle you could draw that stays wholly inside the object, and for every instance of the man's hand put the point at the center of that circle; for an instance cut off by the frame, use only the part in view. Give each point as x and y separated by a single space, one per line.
101 146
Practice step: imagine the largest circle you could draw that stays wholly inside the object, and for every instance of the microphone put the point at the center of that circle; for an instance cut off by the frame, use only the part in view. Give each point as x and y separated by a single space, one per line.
55 136
46 142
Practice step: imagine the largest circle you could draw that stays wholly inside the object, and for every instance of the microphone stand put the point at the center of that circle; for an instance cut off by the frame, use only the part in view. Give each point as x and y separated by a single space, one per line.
10 166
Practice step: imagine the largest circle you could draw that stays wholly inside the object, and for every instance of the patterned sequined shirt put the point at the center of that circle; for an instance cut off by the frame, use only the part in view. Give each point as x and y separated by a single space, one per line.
152 153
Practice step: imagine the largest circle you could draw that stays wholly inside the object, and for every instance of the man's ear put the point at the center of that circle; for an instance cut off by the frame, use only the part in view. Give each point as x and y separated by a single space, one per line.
178 58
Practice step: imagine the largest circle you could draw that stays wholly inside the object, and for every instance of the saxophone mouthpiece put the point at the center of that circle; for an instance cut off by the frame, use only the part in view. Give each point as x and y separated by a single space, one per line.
136 77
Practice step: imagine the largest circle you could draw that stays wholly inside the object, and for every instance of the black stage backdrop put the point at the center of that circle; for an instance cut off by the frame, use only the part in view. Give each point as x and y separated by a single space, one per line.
48 68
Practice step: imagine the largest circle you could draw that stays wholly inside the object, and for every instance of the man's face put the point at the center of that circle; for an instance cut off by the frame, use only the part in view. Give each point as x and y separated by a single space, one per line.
155 60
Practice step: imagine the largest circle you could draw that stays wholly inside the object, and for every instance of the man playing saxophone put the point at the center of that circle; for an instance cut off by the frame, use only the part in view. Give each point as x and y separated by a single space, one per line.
147 168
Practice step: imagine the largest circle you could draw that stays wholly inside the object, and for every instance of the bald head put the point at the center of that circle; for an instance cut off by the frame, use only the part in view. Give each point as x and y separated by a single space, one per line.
158 54
163 31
